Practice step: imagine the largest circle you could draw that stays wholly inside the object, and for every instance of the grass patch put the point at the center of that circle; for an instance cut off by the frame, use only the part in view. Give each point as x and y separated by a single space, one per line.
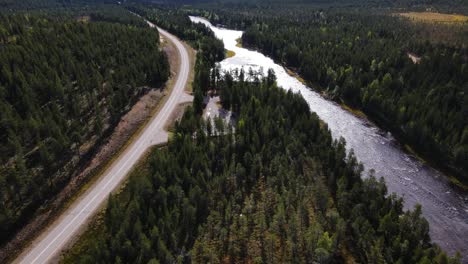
192 54
170 135
230 54
96 228
239 42
432 17
458 183
410 150
354 111
295 75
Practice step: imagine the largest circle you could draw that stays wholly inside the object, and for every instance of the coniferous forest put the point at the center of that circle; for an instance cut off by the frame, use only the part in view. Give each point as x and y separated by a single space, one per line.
364 60
272 186
63 84
274 189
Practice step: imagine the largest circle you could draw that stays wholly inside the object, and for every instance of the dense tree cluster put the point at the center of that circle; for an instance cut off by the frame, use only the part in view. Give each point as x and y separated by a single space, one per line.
26 4
277 190
106 13
451 6
80 10
364 60
209 48
63 85
15 5
274 188
178 23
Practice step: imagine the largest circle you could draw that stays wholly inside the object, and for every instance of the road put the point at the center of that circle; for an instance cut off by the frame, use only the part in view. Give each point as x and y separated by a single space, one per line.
49 245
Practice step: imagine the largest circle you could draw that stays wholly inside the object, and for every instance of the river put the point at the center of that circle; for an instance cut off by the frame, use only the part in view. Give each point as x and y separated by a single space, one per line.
445 208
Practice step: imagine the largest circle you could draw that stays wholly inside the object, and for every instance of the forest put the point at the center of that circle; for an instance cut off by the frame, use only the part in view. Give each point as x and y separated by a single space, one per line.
209 49
457 6
363 60
276 188
447 6
273 188
64 84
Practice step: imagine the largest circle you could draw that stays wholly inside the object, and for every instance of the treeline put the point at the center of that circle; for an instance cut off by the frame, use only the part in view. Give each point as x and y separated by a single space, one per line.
178 23
81 10
27 4
446 6
31 5
105 13
364 61
275 188
63 86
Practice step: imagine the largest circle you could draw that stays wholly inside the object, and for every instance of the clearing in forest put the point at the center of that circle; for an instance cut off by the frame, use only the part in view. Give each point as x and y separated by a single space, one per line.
433 17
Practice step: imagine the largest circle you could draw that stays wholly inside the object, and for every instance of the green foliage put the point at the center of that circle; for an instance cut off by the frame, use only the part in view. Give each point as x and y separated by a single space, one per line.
278 190
209 49
23 5
63 84
178 23
363 60
450 5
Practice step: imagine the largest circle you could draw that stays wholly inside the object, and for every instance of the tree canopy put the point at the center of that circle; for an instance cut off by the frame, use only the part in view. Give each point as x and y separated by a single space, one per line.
63 85
274 188
410 78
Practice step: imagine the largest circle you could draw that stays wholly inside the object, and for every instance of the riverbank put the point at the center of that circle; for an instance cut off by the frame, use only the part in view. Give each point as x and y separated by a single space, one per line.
444 206
453 175
230 54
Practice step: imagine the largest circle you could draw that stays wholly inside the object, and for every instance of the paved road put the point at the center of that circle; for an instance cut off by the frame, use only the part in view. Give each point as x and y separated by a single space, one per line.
50 244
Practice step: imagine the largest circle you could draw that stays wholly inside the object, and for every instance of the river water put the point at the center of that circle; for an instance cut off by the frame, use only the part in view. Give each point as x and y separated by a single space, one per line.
444 207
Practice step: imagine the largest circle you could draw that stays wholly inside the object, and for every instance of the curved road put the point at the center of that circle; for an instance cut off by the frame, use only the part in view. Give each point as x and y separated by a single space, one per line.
61 232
